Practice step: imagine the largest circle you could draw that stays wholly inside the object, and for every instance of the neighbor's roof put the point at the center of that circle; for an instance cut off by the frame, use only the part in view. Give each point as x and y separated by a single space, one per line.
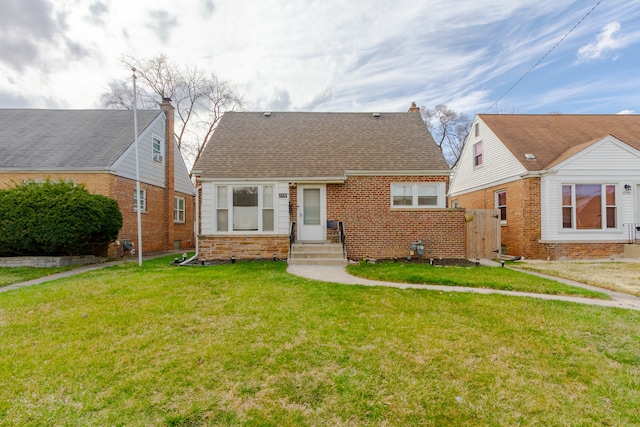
67 139
323 145
553 138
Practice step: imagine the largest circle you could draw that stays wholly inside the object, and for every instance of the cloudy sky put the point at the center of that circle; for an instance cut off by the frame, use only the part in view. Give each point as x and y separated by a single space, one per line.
335 55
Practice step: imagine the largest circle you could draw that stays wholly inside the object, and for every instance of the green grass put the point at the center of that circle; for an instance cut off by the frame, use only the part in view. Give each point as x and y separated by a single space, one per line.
11 275
250 345
477 277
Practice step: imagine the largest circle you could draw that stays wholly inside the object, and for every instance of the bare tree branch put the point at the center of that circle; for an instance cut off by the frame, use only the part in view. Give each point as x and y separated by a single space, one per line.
199 98
449 130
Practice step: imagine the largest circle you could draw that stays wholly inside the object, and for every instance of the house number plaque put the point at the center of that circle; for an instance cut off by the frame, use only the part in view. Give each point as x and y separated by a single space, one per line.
283 195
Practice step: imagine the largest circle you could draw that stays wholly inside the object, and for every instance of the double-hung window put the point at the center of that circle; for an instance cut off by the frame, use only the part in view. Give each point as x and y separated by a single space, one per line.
245 208
477 154
417 195
178 209
156 148
143 201
589 206
501 204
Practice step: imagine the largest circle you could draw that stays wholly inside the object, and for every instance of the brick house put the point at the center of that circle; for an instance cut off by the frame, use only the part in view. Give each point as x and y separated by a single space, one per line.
267 179
96 148
567 186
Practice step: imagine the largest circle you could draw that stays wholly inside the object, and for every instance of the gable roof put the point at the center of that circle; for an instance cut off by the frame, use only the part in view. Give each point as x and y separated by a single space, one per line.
67 139
553 138
320 145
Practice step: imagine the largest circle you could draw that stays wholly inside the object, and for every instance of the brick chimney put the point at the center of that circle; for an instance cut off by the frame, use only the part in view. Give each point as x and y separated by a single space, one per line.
169 131
414 108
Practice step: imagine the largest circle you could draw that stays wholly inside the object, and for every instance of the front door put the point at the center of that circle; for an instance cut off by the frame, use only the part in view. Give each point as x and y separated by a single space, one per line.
311 212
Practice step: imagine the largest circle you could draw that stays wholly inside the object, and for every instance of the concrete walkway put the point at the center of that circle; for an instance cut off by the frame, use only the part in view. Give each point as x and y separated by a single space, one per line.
339 275
84 269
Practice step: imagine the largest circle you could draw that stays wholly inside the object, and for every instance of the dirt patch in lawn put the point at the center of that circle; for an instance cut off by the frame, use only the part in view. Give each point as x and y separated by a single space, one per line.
621 276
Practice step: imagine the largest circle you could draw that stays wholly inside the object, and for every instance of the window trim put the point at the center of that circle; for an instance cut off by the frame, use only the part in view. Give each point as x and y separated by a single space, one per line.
143 191
157 155
499 206
177 210
440 198
478 157
604 207
229 208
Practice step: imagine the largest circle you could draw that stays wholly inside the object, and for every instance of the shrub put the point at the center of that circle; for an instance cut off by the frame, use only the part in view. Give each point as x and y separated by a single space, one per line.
56 218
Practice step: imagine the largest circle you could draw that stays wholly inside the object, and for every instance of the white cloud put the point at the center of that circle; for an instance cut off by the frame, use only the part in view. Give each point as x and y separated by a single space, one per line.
604 45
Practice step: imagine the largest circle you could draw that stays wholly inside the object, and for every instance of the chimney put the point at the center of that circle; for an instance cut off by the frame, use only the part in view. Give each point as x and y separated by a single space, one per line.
414 108
169 135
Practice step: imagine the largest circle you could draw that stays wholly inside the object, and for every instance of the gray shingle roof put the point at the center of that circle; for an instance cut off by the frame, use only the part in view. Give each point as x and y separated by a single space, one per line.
308 145
67 139
554 137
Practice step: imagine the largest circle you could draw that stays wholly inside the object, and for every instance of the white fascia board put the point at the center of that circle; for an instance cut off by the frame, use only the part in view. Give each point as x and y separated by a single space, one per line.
487 185
327 180
444 172
58 170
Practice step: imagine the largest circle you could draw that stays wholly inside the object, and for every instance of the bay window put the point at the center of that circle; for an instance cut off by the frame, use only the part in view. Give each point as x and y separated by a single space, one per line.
245 208
589 206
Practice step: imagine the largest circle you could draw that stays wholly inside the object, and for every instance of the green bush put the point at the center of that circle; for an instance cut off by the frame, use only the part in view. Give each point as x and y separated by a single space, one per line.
56 218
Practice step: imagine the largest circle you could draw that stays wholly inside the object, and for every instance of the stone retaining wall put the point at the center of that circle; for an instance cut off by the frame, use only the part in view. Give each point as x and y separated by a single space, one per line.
49 261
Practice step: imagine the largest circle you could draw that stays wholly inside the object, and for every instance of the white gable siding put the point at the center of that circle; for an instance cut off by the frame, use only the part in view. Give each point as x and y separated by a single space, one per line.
151 172
498 163
606 162
182 182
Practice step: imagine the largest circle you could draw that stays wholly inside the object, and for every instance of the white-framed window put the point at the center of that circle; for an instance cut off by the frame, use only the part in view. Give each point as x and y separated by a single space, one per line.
477 154
143 201
244 208
156 148
418 195
178 209
589 206
501 204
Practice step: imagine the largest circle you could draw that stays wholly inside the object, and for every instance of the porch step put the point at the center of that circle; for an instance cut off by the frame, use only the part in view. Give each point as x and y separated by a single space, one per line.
317 254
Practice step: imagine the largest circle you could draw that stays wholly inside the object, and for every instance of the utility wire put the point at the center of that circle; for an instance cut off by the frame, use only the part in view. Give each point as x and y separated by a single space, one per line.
544 56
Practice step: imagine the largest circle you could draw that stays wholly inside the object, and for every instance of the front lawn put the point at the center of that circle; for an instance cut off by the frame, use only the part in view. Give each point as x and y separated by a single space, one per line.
477 277
250 345
11 275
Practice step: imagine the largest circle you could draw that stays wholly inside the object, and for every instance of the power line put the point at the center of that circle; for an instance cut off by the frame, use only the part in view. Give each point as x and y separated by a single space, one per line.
544 56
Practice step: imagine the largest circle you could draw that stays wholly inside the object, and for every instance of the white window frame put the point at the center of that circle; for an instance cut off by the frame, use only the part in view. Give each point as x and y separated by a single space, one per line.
178 210
157 154
476 156
499 206
143 192
604 225
413 188
224 206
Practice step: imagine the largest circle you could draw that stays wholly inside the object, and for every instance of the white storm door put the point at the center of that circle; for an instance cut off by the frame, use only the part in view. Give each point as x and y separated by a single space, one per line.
311 212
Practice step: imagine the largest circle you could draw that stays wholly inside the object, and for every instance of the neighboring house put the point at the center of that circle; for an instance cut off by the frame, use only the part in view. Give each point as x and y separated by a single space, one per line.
96 148
567 186
268 178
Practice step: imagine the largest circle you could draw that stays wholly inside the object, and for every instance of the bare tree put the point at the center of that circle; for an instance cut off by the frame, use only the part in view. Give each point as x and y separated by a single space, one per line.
449 130
200 98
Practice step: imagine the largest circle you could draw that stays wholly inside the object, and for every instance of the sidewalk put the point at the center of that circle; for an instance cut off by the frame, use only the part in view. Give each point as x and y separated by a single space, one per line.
84 269
338 274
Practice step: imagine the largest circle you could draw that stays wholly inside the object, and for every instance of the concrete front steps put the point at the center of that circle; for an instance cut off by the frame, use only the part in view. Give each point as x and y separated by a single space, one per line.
317 254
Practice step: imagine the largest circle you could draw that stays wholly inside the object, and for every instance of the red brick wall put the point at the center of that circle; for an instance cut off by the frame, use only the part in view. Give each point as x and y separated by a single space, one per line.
522 233
376 230
154 221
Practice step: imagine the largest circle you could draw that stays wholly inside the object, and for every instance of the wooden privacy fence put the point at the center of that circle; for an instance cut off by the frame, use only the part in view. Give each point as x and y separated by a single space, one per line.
483 233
